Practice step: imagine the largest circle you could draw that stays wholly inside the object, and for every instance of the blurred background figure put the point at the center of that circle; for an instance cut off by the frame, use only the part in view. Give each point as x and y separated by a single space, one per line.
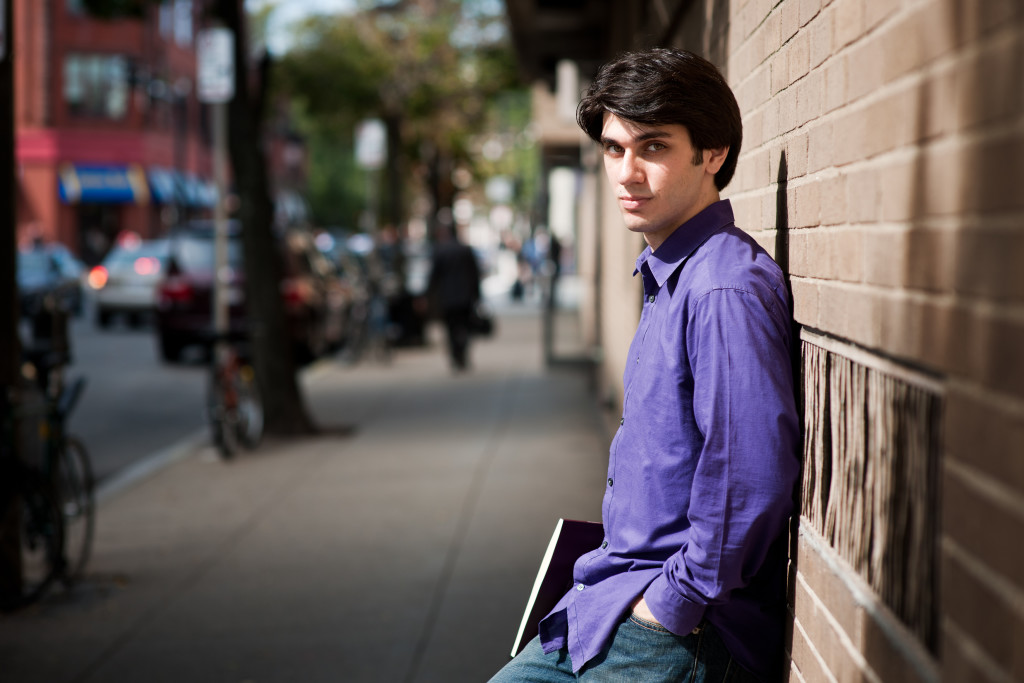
454 290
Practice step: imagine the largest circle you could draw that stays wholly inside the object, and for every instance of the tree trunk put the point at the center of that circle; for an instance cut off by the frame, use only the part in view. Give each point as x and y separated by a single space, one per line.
10 544
273 357
394 200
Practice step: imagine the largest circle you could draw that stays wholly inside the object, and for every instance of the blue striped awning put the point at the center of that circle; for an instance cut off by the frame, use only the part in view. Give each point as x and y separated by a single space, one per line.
102 184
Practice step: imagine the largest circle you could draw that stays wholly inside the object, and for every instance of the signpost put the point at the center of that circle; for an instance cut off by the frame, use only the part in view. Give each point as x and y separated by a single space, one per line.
215 57
371 153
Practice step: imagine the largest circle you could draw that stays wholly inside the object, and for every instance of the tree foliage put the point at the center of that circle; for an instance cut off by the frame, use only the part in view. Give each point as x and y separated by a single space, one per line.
430 70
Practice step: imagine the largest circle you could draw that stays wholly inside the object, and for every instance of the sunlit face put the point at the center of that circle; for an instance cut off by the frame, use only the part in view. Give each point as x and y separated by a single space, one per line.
651 169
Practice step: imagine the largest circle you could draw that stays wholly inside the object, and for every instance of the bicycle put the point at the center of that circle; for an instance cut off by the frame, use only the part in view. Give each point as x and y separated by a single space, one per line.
233 402
64 459
51 476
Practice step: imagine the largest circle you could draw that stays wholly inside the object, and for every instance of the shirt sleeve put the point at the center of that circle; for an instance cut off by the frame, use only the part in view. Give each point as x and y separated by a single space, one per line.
742 492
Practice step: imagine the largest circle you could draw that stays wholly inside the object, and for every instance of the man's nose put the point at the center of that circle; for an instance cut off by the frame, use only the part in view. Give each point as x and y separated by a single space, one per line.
631 169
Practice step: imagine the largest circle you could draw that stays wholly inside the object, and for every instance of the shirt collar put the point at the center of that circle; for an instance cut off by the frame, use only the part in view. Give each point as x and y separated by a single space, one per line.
685 240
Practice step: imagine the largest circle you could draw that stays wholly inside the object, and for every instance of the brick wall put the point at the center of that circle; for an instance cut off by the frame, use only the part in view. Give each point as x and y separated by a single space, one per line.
883 166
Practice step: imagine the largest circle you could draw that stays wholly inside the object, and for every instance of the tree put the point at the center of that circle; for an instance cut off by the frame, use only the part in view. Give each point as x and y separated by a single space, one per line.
283 403
428 70
10 544
276 372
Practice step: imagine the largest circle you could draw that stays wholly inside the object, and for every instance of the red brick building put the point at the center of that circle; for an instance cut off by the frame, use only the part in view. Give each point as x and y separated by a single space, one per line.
110 135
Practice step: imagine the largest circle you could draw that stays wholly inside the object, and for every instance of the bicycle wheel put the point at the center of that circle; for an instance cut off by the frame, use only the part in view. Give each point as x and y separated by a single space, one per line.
75 491
250 408
223 413
42 539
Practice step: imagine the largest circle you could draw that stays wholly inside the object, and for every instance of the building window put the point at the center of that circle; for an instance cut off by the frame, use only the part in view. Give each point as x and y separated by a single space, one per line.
166 19
183 22
75 7
96 85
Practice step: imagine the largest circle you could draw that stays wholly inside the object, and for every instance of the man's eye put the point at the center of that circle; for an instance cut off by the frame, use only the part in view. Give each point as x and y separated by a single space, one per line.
612 149
655 147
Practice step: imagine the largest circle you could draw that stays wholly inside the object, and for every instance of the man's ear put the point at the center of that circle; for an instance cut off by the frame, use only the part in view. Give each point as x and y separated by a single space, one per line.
714 158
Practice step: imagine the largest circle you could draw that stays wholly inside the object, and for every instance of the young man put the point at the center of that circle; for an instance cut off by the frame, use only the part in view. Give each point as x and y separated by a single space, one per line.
689 582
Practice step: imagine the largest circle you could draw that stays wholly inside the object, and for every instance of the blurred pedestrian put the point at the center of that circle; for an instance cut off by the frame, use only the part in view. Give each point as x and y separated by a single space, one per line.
454 291
689 582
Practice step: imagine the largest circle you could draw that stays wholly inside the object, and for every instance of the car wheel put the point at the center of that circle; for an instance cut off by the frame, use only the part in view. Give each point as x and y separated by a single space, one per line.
170 348
103 317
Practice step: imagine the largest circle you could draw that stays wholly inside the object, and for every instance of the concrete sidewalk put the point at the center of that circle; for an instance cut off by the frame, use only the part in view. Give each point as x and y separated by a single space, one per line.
398 546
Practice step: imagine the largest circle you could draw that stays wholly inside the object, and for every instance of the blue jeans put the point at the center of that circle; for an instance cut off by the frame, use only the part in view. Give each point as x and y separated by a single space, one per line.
639 651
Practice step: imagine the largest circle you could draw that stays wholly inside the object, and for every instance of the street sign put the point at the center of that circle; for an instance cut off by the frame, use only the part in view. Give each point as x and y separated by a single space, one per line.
215 65
371 144
3 29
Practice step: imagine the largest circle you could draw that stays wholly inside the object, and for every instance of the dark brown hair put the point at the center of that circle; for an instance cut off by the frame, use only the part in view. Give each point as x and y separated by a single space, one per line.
664 86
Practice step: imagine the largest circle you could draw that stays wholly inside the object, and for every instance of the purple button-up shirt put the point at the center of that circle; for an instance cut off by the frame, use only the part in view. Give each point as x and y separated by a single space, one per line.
702 469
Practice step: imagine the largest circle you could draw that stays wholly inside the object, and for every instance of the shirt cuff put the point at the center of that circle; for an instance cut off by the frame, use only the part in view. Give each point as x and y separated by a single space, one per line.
672 610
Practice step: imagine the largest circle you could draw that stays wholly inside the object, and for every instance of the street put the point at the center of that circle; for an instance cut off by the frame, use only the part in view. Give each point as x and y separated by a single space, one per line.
134 405
399 544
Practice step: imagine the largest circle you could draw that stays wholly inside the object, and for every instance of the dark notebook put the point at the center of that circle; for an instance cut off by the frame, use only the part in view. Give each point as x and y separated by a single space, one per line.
571 539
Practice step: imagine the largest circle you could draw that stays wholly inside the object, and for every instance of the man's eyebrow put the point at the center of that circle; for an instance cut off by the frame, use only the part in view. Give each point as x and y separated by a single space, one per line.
642 137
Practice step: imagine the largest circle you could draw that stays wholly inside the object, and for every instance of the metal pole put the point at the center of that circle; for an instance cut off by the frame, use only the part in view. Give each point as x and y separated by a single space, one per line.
220 221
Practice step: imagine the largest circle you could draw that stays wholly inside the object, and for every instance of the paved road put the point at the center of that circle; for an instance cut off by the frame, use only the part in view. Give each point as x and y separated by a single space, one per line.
134 405
398 546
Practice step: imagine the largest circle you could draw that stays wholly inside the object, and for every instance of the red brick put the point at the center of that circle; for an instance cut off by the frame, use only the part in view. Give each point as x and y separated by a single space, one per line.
832 196
932 257
862 194
818 630
982 527
770 129
876 11
805 302
941 189
849 21
851 133
885 257
939 96
990 85
960 662
979 610
796 156
901 43
790 16
799 56
821 38
985 433
940 29
990 263
809 9
810 99
866 67
787 110
780 71
808 666
898 183
835 82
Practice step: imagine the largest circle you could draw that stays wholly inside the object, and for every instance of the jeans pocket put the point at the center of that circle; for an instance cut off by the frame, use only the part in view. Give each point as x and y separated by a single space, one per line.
649 625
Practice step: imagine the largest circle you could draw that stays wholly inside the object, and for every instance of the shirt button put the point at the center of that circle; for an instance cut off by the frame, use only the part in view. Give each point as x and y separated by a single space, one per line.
610 482
650 299
604 544
622 421
579 586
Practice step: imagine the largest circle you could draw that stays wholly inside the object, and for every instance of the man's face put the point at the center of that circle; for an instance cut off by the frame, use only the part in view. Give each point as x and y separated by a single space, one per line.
651 169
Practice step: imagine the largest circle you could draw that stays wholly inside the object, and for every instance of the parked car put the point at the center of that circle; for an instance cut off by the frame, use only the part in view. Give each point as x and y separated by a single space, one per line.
315 300
125 283
49 270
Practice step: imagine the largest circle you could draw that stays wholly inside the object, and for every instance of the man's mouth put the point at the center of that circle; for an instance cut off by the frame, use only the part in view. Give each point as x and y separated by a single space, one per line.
631 202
